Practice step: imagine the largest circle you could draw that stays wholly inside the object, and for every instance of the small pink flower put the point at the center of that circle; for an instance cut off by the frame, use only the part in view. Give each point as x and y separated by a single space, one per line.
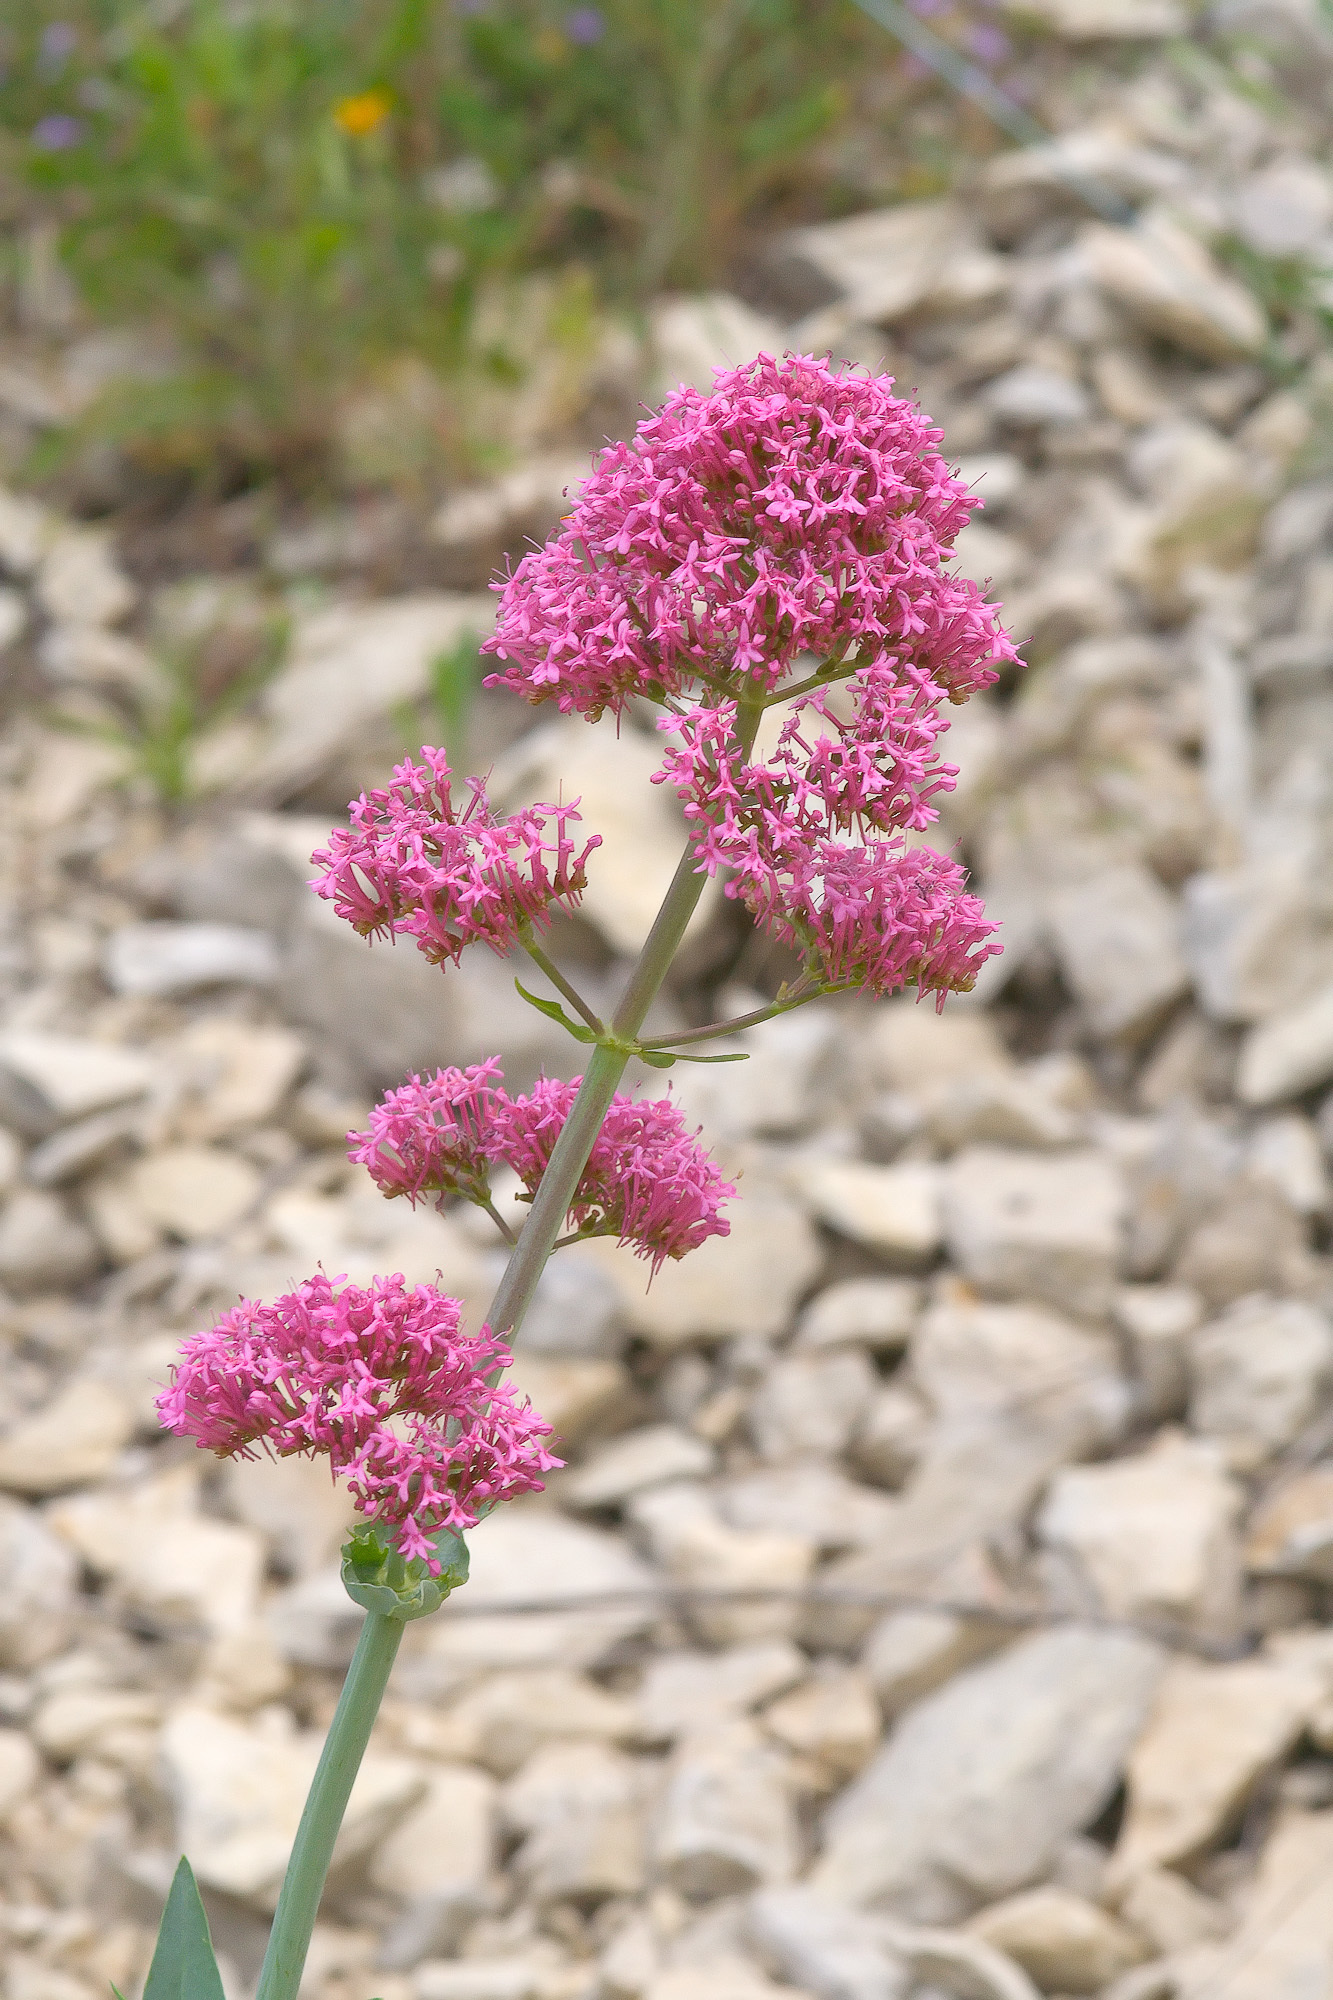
436 1134
876 918
410 865
382 1381
647 1181
795 509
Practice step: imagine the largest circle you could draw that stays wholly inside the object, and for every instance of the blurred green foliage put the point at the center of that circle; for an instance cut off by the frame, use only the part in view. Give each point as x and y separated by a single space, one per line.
288 194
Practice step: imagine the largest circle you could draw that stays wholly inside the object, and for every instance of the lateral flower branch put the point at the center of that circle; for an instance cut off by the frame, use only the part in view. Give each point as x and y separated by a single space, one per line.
765 564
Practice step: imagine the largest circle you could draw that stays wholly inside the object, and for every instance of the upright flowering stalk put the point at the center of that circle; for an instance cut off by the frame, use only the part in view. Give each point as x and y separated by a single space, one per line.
778 548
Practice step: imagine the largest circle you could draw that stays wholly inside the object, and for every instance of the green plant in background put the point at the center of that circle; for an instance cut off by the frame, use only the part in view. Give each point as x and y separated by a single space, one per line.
455 677
159 722
294 200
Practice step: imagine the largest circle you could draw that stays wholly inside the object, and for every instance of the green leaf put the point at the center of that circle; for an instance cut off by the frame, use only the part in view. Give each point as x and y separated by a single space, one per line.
555 1012
183 1966
738 1055
377 1577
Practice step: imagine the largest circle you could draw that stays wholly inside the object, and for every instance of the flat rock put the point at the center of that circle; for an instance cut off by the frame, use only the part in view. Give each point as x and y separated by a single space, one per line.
1106 20
809 1405
74 1439
639 1459
1258 1375
164 959
725 1824
347 667
20 1769
775 1091
1022 1225
808 1499
38 1608
693 334
980 1782
732 1570
581 1808
163 1556
1153 1535
1066 1943
195 1192
80 582
1212 1734
49 1080
875 1313
530 1555
917 1051
745 1283
681 1692
894 1211
575 1396
230 1074
911 1653
1254 942
239 1790
1117 938
43 1246
641 826
1283 1948
502 1721
1157 1321
438 1859
826 1949
1165 280
880 266
1291 1531
834 1720
1289 1053
1030 394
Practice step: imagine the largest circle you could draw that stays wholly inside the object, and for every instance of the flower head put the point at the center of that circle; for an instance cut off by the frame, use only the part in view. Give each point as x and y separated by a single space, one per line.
437 1134
380 1380
877 918
647 1181
412 865
795 509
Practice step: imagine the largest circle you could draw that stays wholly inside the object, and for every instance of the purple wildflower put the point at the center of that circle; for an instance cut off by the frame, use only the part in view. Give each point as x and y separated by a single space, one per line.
56 133
585 25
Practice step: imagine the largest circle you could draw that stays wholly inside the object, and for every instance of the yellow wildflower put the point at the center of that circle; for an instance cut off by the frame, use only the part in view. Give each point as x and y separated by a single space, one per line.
362 113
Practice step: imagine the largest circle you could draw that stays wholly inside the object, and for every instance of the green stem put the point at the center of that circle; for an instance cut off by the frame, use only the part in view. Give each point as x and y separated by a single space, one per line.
753 1019
550 1204
561 984
335 1774
363 1690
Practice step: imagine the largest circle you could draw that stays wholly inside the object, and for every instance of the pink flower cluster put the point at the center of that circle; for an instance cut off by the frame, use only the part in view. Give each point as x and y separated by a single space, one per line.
380 1380
411 865
877 916
647 1181
795 509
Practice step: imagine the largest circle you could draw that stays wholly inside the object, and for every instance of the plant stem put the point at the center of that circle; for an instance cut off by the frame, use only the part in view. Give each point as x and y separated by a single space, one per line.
561 984
753 1019
550 1204
354 1718
312 1850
